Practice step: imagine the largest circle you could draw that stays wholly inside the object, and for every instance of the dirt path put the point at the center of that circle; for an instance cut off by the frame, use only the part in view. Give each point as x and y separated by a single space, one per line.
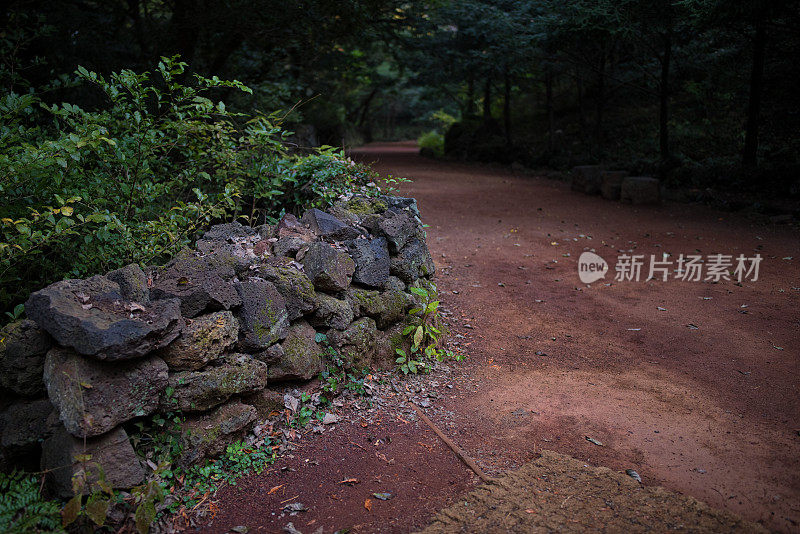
712 412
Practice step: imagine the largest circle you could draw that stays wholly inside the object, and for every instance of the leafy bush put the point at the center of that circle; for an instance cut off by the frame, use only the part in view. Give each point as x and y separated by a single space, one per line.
22 508
88 191
432 141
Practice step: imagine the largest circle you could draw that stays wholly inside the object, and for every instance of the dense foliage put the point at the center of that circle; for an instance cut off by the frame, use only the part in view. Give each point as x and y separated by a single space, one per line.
136 179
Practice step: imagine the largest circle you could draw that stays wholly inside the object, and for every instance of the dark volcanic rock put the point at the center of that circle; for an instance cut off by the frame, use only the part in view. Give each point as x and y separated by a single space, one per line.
398 228
24 424
302 355
111 454
205 339
641 190
372 261
92 397
92 317
329 268
413 261
199 391
208 435
327 226
263 317
202 283
332 312
132 283
292 284
23 346
358 344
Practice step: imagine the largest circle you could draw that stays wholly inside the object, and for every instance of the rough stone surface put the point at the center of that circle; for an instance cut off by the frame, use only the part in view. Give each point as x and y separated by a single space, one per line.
389 341
203 340
112 452
202 283
332 312
295 287
132 283
24 423
208 435
92 317
394 283
327 226
23 346
271 355
611 184
641 190
199 391
329 268
358 344
92 397
266 401
288 246
263 317
385 307
398 228
413 261
371 257
586 179
289 226
302 359
401 203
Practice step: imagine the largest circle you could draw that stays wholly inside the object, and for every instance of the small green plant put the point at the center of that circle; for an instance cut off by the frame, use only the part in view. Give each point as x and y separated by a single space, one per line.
336 377
425 333
22 508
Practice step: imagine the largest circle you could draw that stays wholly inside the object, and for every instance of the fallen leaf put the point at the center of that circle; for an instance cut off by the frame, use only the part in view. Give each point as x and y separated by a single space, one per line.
274 489
368 504
349 481
383 496
596 442
634 475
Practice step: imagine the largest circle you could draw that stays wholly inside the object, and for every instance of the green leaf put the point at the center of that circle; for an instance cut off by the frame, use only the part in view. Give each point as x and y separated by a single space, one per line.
418 335
407 330
419 291
320 337
97 509
71 510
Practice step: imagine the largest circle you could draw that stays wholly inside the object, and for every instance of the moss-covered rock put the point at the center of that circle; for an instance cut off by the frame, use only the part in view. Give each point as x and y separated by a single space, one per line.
266 402
357 345
263 317
132 283
295 287
386 307
332 312
389 341
302 356
93 397
329 268
413 261
201 341
208 435
23 346
199 391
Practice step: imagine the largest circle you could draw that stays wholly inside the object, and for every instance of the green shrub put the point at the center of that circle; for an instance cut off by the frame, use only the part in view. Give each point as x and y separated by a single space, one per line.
432 141
88 191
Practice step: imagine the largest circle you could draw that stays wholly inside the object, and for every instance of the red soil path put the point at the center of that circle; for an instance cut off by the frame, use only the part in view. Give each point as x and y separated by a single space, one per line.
712 412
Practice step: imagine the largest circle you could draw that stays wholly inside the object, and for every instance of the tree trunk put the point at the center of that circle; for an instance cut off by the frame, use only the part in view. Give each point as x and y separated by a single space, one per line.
363 124
750 152
548 85
600 101
581 107
507 105
487 99
664 90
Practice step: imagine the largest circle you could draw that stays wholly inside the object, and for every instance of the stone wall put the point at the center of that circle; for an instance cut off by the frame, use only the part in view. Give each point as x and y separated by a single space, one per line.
205 334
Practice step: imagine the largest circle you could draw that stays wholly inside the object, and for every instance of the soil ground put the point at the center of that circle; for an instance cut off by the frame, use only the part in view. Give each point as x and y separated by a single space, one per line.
692 384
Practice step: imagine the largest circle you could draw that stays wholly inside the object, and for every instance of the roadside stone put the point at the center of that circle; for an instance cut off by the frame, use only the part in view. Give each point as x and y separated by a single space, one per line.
611 184
398 228
208 435
641 190
92 317
288 246
92 397
24 424
385 307
263 317
394 283
112 453
266 401
289 226
23 346
371 257
232 241
271 355
303 356
586 179
202 283
389 341
332 312
330 269
203 340
199 391
401 203
357 345
295 287
413 261
327 226
132 283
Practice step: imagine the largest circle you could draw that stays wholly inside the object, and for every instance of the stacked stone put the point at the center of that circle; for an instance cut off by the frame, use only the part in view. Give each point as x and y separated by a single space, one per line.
616 185
205 335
